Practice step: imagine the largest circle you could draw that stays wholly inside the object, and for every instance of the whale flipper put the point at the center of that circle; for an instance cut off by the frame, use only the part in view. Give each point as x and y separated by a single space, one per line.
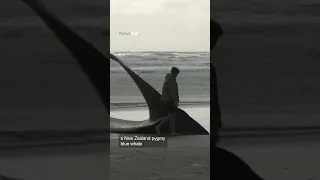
231 167
152 97
92 62
94 65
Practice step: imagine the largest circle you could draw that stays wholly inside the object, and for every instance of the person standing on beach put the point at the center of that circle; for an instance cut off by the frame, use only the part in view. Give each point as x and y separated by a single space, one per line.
170 98
227 165
216 33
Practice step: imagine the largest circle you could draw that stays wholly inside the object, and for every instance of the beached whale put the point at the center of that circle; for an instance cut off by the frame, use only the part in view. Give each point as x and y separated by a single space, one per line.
94 64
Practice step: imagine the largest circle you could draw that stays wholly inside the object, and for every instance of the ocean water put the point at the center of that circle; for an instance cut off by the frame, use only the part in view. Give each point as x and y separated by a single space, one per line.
193 81
153 61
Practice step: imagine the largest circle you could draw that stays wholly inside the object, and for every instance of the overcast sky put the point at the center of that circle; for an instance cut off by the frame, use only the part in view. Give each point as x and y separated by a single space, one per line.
164 25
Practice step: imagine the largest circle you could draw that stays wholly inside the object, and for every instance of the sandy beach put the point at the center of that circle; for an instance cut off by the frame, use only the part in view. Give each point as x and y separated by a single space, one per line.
199 112
270 157
51 163
185 158
289 157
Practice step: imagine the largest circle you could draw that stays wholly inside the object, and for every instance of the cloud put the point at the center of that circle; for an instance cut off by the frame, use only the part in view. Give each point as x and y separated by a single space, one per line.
135 7
157 6
163 24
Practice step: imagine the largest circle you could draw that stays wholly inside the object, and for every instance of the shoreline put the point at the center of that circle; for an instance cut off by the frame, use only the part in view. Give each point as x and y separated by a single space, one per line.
122 105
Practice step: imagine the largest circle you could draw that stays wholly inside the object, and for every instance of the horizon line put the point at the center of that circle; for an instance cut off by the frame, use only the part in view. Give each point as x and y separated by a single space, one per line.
158 51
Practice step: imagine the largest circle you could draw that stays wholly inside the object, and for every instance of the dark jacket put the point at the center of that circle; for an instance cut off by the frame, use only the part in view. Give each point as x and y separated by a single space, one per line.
170 91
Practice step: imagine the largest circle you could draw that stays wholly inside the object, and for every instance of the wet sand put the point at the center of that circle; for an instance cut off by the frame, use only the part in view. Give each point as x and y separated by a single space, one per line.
199 112
289 157
51 163
185 158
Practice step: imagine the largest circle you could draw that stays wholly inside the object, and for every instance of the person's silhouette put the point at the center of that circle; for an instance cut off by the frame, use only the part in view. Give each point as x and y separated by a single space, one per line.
216 33
227 165
170 98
